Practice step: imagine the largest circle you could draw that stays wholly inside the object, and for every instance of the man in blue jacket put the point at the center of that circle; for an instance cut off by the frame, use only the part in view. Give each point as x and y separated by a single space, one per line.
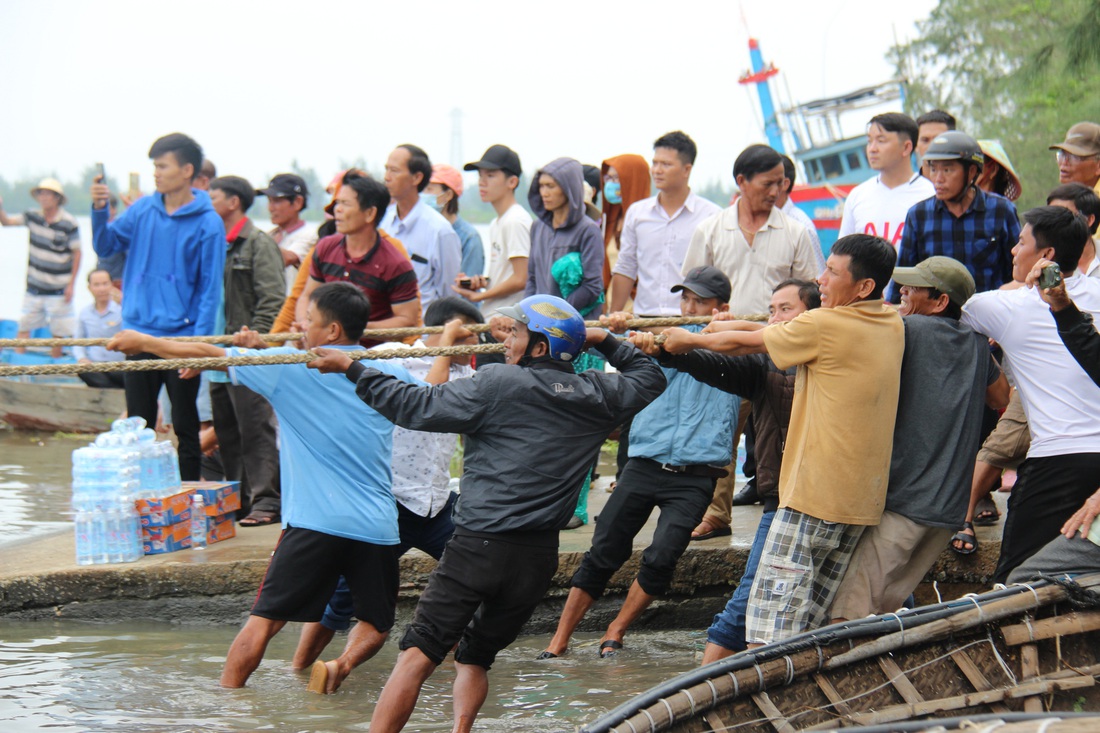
174 243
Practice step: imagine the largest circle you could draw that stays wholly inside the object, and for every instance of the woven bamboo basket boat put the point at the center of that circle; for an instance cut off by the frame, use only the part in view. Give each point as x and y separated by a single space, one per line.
1014 652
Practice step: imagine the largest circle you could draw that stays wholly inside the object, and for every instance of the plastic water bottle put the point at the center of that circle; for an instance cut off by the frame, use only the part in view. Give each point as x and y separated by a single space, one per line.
106 480
152 480
198 522
169 466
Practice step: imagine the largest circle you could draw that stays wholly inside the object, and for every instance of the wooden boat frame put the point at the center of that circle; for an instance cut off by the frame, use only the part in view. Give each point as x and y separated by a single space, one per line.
1029 648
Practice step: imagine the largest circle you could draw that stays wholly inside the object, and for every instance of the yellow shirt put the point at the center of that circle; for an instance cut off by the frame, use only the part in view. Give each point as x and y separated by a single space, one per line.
836 462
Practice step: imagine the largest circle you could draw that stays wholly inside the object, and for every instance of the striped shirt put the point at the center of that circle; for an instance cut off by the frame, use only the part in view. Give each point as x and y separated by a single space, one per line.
383 273
53 246
982 238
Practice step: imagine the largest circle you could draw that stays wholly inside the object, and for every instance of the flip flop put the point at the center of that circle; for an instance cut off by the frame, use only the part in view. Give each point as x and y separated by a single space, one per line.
546 655
610 648
318 678
715 531
260 518
986 513
968 539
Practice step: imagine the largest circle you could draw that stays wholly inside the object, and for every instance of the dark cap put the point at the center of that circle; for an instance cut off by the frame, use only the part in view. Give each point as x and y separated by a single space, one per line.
944 274
1083 140
235 186
497 158
284 186
706 281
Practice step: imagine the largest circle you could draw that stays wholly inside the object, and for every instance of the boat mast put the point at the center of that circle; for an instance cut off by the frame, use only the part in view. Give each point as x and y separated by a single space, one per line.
759 75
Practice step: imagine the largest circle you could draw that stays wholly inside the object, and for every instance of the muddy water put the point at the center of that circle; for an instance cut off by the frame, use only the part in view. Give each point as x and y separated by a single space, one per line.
66 676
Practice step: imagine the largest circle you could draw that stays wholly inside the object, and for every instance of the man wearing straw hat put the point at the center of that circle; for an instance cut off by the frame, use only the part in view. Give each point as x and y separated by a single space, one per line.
53 263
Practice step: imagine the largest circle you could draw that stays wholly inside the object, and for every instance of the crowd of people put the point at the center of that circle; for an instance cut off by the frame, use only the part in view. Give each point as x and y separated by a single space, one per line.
870 401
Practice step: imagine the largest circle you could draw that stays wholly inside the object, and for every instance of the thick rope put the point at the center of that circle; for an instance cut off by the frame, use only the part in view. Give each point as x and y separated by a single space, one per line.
149 365
376 333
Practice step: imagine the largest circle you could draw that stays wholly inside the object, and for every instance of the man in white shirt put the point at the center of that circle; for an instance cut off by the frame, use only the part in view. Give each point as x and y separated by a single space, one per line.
757 246
1058 397
878 206
498 174
430 240
287 197
657 230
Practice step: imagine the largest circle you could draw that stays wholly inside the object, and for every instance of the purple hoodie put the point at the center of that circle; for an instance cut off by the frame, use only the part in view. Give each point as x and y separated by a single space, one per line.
580 234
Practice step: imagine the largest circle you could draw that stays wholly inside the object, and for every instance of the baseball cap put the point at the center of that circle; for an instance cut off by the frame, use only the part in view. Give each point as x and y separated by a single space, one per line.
706 281
497 157
238 187
448 176
50 184
284 186
1082 139
945 274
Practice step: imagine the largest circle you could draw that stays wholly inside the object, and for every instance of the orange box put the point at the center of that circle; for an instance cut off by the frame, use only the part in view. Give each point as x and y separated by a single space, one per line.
165 511
220 528
218 497
159 540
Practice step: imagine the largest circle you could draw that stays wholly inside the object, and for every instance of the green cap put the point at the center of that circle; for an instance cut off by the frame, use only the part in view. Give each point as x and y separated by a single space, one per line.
942 273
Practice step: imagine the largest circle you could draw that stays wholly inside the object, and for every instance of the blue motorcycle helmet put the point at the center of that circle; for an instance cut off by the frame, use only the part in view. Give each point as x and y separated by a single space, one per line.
555 319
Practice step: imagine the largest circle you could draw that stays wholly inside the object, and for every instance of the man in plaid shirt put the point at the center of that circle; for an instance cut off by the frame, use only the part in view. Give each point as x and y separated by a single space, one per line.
962 222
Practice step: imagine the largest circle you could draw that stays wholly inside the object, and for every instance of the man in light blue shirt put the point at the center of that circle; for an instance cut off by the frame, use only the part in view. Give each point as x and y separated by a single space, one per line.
339 514
678 446
431 242
102 319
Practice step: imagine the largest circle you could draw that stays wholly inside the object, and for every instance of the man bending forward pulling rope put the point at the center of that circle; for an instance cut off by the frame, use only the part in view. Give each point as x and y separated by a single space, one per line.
339 516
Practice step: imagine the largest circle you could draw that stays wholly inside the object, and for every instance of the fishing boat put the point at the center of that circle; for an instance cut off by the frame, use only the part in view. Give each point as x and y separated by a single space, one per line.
1013 653
832 163
54 403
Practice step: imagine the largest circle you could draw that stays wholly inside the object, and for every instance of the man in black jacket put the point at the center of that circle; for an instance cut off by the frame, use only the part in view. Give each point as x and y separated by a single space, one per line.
532 429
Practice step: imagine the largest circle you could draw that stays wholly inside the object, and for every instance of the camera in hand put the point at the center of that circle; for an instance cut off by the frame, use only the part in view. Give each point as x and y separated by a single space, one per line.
1051 276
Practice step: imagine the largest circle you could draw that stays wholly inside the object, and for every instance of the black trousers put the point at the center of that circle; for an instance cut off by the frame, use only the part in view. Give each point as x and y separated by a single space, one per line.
1047 492
246 428
104 380
142 389
643 487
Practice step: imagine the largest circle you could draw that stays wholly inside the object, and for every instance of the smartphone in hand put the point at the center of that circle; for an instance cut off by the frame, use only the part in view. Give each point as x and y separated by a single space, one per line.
101 173
1051 276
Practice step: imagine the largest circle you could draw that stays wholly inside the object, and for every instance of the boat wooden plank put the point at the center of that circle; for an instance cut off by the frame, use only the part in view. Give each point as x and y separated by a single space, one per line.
975 677
831 693
74 408
1077 622
774 715
906 711
897 678
1029 669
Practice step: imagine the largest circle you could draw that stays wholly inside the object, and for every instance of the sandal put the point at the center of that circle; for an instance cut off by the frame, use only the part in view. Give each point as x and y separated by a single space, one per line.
709 530
260 518
969 540
986 513
610 648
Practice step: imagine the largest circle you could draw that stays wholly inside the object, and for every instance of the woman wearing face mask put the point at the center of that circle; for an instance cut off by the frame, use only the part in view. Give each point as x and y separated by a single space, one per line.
442 194
625 181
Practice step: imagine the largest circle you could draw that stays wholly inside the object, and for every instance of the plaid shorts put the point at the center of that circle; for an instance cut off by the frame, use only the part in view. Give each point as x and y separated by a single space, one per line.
803 562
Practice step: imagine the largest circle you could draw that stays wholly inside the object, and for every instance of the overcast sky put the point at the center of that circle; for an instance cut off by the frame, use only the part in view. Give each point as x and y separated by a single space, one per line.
261 83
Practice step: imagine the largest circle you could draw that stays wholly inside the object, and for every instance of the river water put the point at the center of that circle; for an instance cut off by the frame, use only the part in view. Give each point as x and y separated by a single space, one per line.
141 677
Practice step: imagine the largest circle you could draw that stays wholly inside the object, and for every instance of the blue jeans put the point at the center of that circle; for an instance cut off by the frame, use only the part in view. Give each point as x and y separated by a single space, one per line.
429 534
728 628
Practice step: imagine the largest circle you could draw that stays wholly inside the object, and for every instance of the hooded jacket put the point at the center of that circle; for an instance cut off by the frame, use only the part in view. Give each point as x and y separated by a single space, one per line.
580 234
174 263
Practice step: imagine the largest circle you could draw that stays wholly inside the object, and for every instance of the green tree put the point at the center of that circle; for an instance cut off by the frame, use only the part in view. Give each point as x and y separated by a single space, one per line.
1020 71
